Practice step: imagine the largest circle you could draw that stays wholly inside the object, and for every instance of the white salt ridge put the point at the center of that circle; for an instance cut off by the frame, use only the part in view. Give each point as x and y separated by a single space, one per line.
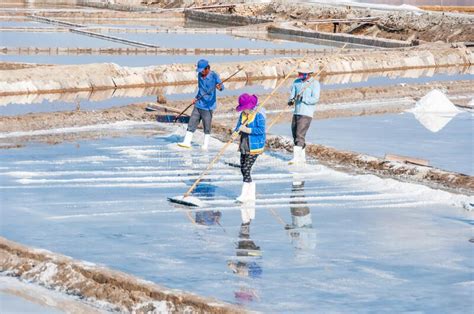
161 178
31 174
47 273
19 297
232 206
79 160
434 110
107 126
361 4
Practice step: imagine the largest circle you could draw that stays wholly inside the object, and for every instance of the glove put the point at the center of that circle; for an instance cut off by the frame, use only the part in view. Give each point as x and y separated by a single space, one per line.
235 135
245 129
291 102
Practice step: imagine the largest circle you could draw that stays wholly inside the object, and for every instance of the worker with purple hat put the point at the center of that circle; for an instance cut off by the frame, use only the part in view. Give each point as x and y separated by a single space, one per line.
251 125
304 95
204 103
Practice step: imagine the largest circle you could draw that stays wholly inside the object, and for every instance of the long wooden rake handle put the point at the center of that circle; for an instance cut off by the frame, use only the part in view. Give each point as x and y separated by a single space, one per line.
235 134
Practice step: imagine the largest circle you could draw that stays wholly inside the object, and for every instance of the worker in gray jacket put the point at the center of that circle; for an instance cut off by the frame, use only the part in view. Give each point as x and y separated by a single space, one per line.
304 95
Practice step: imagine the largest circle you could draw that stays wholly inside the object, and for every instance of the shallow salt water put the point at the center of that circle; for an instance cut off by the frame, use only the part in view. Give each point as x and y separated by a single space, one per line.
451 148
362 241
53 40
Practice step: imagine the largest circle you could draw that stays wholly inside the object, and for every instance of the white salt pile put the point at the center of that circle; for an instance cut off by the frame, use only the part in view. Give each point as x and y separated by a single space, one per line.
434 110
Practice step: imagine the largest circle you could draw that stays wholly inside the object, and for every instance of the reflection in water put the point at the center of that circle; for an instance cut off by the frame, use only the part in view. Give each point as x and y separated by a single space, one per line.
246 264
206 217
301 228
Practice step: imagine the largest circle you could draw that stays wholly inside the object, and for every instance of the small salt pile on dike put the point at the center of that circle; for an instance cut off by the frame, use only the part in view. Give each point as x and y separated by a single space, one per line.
434 110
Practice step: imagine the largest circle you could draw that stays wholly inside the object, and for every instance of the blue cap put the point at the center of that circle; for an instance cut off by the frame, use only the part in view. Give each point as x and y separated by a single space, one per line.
201 65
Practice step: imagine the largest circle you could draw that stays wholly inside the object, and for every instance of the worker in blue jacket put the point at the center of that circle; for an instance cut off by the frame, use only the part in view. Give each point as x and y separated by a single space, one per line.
251 125
204 103
304 95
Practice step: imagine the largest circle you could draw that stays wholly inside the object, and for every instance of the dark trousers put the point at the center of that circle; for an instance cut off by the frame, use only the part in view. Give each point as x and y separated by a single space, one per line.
196 116
299 127
246 163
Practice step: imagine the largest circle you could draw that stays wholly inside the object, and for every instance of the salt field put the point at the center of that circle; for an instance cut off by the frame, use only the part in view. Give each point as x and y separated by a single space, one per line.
95 200
111 203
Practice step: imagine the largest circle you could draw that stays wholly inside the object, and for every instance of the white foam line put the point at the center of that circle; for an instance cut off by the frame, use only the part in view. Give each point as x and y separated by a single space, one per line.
209 201
107 126
89 185
31 174
403 205
289 200
228 178
79 160
132 147
261 207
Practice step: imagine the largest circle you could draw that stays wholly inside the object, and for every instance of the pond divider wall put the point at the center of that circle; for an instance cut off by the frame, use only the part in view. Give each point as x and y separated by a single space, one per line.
223 19
120 291
342 37
63 78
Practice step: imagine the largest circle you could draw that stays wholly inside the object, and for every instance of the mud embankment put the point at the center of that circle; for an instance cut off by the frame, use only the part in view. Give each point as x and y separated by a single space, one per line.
364 164
399 25
360 163
333 103
63 78
120 291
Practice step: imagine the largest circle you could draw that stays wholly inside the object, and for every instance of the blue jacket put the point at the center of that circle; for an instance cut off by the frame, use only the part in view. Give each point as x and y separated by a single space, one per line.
257 136
207 91
307 105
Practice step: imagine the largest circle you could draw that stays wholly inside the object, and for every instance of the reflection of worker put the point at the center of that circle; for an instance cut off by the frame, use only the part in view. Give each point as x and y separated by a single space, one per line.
301 227
245 249
207 217
300 213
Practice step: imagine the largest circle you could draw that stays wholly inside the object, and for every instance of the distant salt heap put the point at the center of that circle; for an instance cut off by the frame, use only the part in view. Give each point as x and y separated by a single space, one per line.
434 110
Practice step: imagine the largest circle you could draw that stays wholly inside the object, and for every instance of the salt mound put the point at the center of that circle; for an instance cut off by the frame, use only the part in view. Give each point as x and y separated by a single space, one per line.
434 110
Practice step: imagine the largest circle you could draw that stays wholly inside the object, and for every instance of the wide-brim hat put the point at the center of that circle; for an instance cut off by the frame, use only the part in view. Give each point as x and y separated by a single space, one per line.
247 102
304 67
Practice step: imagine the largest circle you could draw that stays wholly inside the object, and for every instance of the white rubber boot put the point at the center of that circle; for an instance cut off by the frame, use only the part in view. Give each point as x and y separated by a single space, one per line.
205 145
245 190
251 192
186 143
297 150
303 156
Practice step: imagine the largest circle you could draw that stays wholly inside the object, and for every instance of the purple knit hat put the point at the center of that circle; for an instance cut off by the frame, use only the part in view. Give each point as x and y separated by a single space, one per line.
247 102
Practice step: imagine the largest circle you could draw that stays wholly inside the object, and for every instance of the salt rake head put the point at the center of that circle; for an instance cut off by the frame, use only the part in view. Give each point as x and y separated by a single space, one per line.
191 201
